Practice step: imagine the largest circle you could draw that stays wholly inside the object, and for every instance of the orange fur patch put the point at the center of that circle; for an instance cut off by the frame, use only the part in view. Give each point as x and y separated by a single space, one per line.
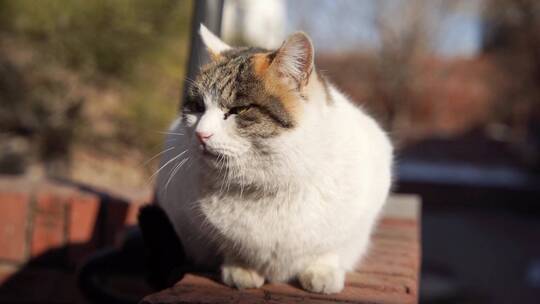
260 62
215 56
274 84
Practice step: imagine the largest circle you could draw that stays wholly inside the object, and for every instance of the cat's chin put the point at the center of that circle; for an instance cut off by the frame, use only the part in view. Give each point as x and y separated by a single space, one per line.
211 158
209 155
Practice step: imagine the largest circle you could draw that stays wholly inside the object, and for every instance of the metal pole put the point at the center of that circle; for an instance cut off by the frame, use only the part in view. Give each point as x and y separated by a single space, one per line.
208 12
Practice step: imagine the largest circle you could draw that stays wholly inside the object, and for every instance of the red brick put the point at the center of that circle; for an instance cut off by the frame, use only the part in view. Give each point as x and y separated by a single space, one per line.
134 206
82 226
83 216
14 209
49 221
132 213
117 212
360 288
398 222
380 267
388 274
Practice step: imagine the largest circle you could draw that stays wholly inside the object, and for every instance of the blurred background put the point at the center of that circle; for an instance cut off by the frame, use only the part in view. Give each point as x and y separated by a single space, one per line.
87 89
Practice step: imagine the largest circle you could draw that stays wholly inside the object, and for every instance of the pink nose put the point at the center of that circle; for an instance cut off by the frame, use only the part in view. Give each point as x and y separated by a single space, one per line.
203 136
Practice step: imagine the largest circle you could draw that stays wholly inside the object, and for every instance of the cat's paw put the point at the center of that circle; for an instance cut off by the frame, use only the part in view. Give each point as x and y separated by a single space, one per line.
322 279
241 278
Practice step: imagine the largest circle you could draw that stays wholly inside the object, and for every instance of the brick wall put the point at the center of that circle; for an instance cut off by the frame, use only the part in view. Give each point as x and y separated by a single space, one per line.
58 219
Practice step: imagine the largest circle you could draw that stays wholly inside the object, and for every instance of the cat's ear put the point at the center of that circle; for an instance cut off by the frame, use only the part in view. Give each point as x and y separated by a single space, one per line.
294 59
214 45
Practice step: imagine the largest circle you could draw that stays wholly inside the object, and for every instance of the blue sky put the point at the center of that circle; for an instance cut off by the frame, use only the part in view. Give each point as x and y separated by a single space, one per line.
349 24
461 35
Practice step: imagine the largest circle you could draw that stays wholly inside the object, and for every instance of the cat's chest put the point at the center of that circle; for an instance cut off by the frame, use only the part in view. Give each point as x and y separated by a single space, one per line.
264 220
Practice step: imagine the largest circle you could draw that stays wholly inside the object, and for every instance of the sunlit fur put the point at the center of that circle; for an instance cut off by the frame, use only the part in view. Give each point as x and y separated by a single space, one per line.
299 204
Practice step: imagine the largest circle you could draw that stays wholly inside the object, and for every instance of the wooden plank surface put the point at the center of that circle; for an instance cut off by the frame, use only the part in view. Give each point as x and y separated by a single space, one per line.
389 273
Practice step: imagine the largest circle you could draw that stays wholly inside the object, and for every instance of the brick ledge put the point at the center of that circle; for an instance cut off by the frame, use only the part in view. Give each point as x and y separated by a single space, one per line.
388 275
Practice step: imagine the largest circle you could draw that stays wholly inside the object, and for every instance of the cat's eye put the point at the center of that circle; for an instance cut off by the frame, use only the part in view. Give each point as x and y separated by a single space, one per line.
194 105
236 111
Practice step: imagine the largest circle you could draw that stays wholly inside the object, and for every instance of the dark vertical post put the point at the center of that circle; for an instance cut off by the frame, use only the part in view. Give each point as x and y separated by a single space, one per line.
209 13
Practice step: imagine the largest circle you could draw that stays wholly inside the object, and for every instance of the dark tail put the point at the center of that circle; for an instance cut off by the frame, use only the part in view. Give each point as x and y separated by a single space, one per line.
166 260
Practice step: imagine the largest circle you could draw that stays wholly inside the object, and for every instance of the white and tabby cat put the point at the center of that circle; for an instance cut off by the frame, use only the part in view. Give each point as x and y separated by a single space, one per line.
271 173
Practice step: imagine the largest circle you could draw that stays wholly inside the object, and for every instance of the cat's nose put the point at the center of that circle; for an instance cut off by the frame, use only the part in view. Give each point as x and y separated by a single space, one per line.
203 136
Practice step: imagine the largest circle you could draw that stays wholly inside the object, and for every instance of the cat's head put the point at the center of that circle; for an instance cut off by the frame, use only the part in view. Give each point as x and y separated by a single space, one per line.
245 97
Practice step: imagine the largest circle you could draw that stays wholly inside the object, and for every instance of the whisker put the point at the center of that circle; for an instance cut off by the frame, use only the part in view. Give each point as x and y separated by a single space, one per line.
173 173
169 133
171 140
192 82
168 162
154 157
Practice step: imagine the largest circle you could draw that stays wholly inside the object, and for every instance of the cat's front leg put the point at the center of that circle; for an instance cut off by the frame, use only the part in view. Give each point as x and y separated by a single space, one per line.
323 275
236 275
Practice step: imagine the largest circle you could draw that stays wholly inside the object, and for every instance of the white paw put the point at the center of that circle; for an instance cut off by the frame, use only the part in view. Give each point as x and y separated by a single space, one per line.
241 278
322 279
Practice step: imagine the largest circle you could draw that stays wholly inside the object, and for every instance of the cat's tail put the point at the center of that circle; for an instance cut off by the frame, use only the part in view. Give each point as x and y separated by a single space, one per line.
165 258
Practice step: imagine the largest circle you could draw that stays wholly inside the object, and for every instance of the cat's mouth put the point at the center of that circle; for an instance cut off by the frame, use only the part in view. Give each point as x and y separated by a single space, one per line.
207 153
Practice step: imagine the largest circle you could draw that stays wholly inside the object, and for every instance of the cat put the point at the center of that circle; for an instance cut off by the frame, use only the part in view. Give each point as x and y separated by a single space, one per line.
270 173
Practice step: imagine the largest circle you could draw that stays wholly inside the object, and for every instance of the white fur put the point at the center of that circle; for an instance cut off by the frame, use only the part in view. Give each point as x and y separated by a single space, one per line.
315 200
298 205
212 42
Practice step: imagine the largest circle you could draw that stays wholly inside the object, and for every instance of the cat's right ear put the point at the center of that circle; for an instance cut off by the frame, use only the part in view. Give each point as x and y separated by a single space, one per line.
294 59
214 45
